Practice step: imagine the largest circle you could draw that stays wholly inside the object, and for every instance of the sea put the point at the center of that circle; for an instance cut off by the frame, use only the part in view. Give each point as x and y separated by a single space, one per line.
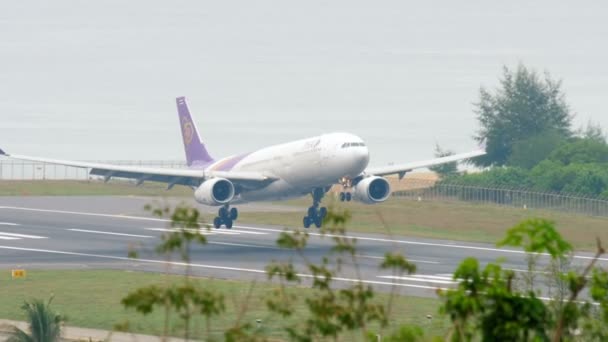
97 80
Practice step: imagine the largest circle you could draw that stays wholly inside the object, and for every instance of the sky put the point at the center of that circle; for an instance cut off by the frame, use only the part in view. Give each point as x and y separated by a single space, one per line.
97 80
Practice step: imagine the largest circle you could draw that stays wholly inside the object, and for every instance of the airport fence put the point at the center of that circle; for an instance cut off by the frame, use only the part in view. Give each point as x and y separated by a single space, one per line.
11 169
430 190
418 189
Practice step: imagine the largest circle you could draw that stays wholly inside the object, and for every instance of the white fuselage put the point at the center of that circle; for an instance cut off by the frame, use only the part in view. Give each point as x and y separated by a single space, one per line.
301 165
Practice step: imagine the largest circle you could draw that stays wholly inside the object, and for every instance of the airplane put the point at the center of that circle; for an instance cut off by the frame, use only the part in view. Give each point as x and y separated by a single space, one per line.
294 169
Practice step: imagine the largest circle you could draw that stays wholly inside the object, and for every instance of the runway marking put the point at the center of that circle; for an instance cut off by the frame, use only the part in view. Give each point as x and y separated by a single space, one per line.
239 244
109 233
209 231
434 244
532 271
262 229
428 276
8 238
419 243
408 259
226 268
25 236
246 232
444 274
87 214
420 279
201 231
9 224
173 230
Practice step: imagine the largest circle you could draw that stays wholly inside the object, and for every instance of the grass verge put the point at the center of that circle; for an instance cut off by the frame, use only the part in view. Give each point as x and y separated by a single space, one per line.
448 220
91 299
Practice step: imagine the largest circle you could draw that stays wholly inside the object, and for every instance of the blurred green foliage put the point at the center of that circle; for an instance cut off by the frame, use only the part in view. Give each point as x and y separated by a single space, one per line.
577 166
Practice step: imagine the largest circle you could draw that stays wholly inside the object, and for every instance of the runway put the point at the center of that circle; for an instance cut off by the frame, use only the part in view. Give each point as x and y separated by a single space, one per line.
98 232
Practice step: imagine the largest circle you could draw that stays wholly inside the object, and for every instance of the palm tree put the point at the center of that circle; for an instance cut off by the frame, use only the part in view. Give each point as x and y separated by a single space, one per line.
44 323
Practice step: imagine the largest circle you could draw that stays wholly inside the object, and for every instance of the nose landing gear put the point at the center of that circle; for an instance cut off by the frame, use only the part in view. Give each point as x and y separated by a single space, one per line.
315 214
347 183
226 216
345 196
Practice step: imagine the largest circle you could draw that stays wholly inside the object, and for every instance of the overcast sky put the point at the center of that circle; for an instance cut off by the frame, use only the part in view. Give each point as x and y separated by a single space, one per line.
97 80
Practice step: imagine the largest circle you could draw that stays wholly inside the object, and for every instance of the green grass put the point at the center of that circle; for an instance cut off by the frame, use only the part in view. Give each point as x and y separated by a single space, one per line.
448 220
91 299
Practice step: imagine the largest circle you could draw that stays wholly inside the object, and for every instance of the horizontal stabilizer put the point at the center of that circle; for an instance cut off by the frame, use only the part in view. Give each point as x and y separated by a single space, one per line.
2 153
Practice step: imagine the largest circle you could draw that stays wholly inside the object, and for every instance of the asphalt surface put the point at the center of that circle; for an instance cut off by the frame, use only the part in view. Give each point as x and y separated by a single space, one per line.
98 232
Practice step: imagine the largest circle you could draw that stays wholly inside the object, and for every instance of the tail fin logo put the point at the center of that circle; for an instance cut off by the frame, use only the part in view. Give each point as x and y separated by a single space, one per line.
187 130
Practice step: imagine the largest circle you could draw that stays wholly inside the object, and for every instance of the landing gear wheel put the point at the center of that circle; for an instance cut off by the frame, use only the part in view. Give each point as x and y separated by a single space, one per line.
222 212
315 214
348 196
342 197
234 214
322 212
226 216
318 221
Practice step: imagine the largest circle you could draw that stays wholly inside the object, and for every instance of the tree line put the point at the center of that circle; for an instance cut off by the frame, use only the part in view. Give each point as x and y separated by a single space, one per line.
526 127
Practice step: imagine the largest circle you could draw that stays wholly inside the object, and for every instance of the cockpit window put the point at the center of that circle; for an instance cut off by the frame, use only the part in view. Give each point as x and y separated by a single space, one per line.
352 144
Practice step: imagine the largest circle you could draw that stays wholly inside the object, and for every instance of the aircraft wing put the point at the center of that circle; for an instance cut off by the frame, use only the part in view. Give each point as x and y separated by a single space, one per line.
402 169
187 177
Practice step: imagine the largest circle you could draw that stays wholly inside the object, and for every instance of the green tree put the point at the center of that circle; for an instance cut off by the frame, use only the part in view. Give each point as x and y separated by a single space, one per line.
486 306
332 313
44 323
581 151
587 179
499 176
527 153
525 105
447 168
187 299
593 131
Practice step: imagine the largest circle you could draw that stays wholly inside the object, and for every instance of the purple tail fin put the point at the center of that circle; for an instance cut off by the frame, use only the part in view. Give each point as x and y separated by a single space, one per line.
196 153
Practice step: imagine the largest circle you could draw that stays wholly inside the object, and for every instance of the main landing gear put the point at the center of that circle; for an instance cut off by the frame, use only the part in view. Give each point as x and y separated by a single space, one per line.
226 216
315 214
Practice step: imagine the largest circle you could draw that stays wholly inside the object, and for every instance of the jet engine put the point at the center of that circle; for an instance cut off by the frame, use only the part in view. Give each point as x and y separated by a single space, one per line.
372 190
215 191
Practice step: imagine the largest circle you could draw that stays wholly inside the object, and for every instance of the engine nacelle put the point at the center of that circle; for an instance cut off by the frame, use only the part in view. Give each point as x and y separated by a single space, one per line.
215 191
372 190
